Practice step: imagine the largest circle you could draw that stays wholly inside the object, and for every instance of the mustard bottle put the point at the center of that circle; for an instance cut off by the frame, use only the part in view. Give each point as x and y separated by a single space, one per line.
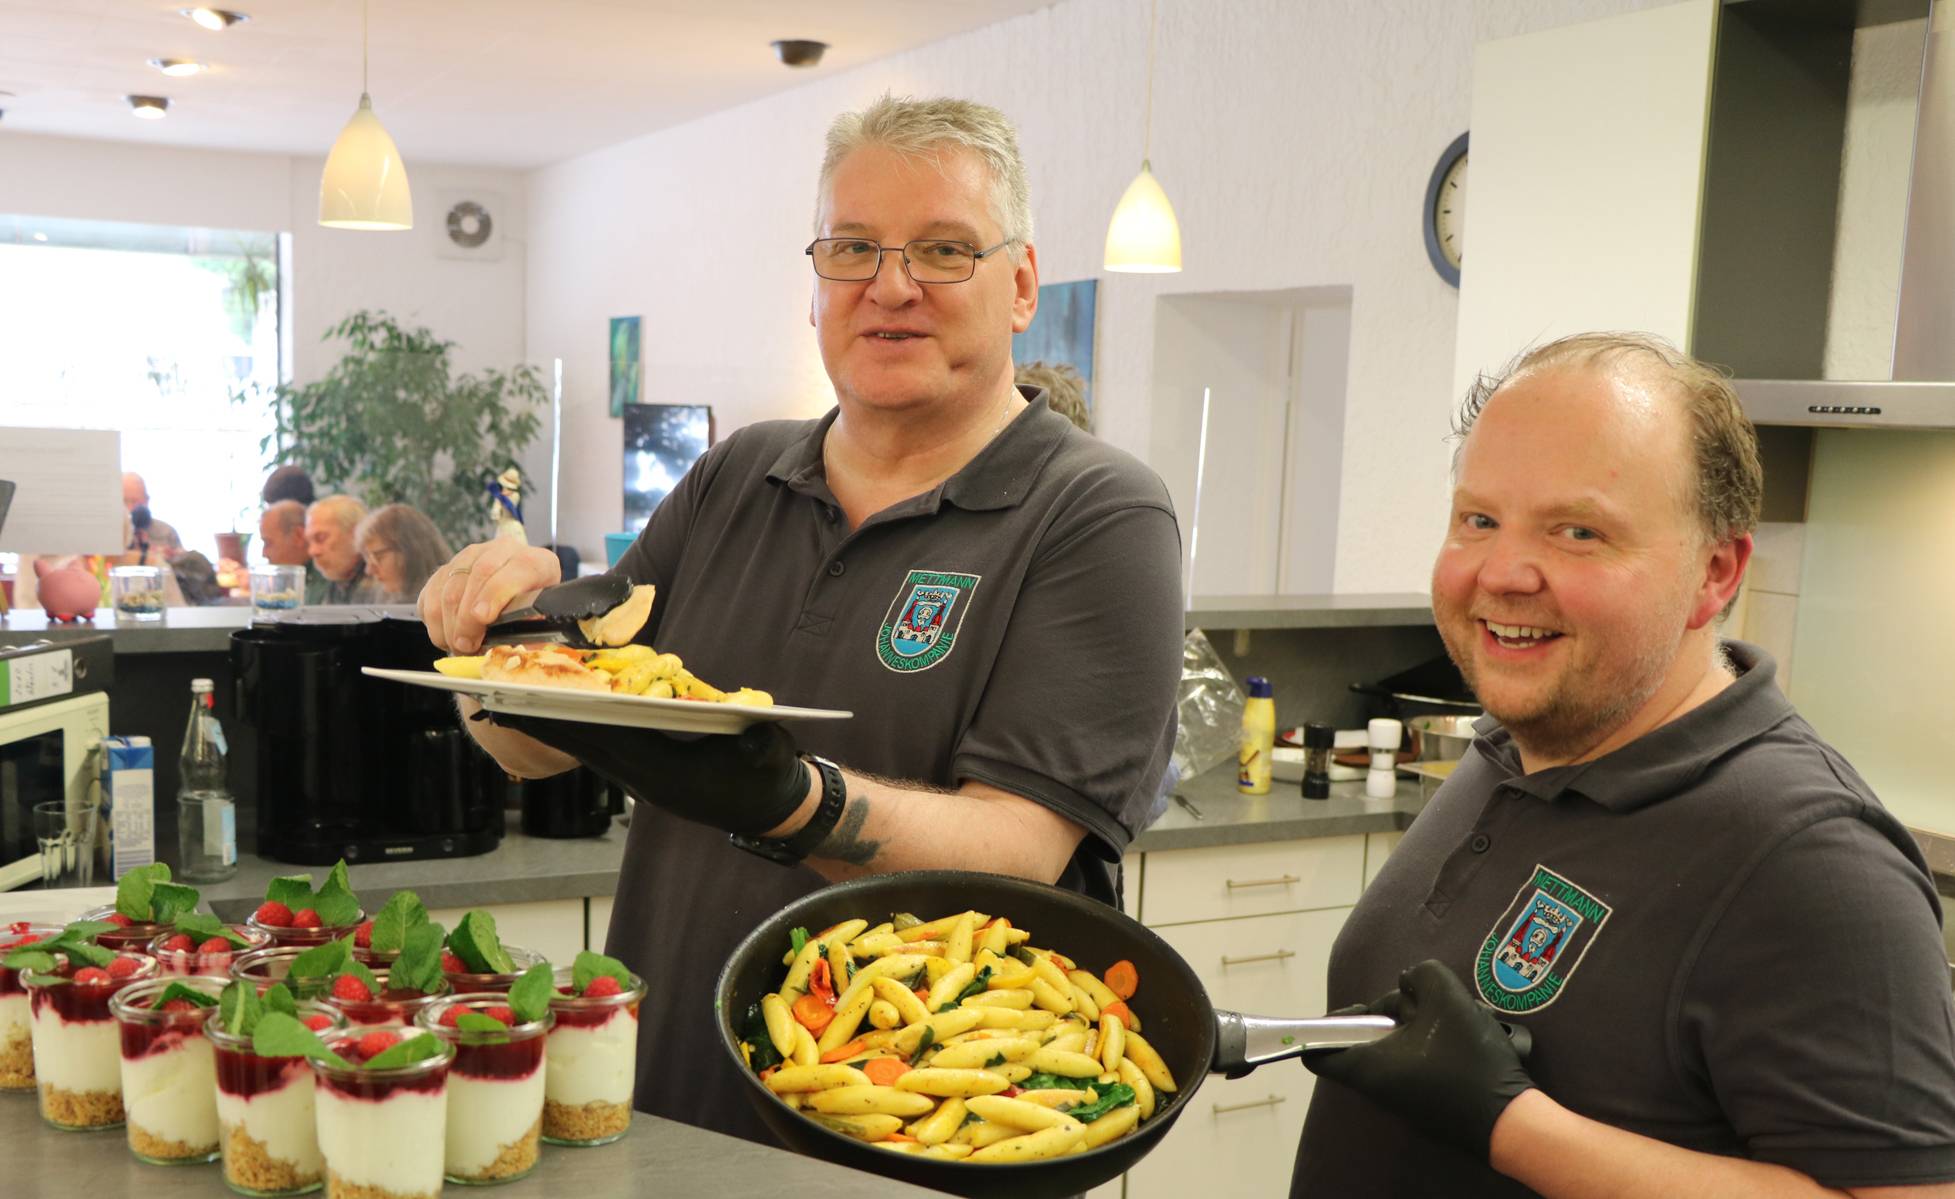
1258 738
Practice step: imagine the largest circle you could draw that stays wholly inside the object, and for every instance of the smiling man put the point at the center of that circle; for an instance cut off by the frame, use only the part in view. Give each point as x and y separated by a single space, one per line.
1725 950
994 595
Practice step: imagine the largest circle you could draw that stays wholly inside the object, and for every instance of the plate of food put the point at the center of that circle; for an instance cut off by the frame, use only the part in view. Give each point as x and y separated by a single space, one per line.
630 685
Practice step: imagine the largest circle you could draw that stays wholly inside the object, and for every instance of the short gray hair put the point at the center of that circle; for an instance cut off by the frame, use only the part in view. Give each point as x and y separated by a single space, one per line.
918 128
287 515
342 510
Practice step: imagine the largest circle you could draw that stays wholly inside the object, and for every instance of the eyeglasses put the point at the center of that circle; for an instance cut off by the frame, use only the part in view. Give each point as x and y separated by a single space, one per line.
853 259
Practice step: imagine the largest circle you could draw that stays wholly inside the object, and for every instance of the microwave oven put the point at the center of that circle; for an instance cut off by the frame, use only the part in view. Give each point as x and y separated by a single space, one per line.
48 751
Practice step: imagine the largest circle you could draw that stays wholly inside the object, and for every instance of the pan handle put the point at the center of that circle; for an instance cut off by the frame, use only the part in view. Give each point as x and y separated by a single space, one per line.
1244 1042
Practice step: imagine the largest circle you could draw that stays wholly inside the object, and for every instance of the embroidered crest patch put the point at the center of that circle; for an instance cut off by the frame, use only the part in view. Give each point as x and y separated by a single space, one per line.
1534 948
921 627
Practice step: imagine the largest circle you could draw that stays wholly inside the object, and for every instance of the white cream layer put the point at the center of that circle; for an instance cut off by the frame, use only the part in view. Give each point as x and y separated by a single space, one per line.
82 1056
394 1143
281 1120
592 1065
172 1094
486 1114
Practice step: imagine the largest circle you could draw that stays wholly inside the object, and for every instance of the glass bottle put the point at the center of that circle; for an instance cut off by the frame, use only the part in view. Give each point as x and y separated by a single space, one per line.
207 831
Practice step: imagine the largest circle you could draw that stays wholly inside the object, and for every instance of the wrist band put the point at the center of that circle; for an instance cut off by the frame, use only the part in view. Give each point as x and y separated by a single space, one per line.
795 848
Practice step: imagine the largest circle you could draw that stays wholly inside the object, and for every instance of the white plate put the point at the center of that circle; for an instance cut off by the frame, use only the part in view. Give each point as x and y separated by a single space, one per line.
598 707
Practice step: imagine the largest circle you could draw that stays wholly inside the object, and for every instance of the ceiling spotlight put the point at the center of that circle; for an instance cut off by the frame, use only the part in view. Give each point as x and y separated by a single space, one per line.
150 108
215 18
796 52
178 66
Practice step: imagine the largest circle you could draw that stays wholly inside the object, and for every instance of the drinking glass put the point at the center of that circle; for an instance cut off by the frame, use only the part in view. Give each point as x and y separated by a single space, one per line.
67 841
276 590
138 592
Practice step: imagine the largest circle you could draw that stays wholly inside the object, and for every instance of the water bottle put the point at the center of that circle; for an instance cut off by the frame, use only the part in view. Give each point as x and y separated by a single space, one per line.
207 830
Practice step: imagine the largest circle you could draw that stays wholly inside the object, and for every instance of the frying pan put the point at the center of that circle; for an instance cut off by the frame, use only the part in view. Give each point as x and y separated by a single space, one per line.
1176 1018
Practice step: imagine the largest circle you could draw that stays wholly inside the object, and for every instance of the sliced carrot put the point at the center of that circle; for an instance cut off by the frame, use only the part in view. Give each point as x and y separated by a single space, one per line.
1121 1010
768 1071
923 993
821 982
842 1053
1122 979
901 1136
813 1014
884 1071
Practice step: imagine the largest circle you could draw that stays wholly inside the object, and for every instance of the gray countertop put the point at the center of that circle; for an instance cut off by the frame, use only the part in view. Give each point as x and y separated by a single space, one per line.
1310 611
655 1157
1232 818
181 631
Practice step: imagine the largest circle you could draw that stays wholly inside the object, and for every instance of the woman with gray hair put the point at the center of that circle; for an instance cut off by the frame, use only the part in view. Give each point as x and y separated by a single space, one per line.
401 548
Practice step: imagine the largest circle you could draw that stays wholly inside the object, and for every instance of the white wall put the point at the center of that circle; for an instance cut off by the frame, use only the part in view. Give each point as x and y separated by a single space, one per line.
478 305
1294 137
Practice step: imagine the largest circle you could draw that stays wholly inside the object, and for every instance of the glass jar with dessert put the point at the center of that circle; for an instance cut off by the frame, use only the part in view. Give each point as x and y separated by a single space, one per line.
589 1070
169 1081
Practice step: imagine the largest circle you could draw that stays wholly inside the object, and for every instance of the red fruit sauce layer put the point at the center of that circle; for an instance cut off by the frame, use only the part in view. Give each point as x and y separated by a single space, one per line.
134 939
378 1089
593 1016
77 1004
394 1005
140 1040
246 1074
10 983
512 1059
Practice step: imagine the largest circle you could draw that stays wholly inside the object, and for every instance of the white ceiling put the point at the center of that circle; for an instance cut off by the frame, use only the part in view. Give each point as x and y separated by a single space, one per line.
510 83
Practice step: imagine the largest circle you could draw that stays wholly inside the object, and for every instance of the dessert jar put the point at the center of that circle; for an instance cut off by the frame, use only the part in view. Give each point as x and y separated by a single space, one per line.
495 1092
467 982
265 1113
131 938
77 1048
393 1005
273 964
197 961
282 934
169 1081
591 1064
383 1133
16 1019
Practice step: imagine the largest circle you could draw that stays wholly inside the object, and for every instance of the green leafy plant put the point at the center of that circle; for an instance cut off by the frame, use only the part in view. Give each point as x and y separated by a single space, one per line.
393 422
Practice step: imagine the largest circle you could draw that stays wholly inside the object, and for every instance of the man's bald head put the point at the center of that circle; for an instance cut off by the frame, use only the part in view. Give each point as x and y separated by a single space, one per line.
134 491
281 530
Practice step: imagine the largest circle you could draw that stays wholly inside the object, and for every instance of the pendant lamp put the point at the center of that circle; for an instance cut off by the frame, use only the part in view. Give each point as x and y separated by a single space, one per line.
1144 237
365 183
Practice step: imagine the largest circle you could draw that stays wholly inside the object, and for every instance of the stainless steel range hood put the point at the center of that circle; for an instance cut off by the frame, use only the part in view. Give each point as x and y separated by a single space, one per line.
1921 391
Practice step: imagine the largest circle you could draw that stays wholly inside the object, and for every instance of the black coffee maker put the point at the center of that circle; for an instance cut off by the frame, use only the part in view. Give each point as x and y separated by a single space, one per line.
348 766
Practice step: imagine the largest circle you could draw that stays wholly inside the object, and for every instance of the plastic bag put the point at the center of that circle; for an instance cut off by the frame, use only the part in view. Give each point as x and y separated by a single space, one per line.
1210 709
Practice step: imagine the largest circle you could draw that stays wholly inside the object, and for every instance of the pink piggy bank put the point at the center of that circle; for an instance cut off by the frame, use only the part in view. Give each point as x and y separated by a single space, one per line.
67 592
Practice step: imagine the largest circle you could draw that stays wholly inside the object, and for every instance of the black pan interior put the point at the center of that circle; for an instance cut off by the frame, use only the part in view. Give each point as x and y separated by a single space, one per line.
1172 1006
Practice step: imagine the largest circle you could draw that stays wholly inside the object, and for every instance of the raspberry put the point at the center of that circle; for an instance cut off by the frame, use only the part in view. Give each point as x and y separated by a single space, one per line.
118 919
451 964
123 967
305 918
505 1014
25 939
601 986
318 1023
451 1018
350 988
274 914
181 1005
215 945
181 943
363 935
91 976
374 1044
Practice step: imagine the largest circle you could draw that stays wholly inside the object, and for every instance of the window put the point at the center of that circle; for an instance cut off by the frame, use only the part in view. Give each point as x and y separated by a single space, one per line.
148 330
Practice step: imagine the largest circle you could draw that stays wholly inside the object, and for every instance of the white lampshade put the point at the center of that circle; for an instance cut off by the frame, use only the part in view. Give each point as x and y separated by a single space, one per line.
365 184
1143 236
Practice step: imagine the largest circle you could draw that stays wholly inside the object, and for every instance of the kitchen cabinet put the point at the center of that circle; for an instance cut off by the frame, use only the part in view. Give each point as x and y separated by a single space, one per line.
1252 880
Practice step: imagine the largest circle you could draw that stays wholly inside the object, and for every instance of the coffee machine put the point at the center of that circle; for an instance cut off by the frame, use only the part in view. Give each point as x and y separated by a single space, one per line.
348 766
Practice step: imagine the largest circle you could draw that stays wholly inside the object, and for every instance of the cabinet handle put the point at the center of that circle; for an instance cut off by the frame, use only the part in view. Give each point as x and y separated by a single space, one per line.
1285 881
1225 1108
1278 956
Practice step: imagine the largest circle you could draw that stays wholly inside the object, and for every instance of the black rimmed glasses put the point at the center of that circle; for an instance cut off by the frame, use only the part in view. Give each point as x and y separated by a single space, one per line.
929 260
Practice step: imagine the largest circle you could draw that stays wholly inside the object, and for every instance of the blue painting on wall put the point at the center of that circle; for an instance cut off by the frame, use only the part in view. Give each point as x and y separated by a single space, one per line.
1063 330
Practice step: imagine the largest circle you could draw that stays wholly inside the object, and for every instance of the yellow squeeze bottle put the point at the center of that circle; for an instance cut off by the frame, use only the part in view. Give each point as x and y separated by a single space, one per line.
1258 738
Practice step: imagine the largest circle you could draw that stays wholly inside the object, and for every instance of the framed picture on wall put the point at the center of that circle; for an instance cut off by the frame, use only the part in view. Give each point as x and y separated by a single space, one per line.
662 441
1062 331
624 363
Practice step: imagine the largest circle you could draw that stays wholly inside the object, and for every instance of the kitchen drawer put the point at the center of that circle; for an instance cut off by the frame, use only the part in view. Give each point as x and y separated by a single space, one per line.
1236 1137
1378 847
1263 965
554 928
1185 885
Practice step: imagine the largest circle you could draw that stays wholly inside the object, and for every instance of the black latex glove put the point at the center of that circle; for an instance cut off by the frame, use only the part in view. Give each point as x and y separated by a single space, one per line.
1448 1070
745 783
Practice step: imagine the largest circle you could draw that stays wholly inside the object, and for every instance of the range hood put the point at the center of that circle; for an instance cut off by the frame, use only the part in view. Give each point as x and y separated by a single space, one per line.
1921 391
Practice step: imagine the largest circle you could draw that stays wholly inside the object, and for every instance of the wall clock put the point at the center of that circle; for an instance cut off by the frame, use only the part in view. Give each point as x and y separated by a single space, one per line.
1444 216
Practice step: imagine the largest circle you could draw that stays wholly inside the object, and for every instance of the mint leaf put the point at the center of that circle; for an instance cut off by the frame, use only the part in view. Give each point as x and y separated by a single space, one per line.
88 953
322 961
409 1051
337 877
418 968
476 943
477 1022
200 925
280 1035
85 930
403 911
134 892
590 966
237 1009
530 997
292 890
30 957
169 900
179 991
278 998
336 905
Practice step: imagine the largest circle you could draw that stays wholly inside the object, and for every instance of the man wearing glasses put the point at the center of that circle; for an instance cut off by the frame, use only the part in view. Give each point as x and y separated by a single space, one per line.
994 595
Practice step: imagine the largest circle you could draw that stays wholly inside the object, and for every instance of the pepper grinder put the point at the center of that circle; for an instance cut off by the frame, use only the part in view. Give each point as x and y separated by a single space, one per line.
1318 740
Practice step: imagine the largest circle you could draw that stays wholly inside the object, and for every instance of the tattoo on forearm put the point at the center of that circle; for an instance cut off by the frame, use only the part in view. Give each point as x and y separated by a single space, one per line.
846 843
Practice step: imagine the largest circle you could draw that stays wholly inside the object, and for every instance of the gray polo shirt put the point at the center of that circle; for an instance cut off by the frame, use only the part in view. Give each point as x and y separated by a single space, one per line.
1019 625
1716 935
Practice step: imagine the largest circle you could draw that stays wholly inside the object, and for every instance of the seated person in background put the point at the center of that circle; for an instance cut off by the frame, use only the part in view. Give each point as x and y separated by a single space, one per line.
329 527
1065 390
288 482
151 539
281 530
401 548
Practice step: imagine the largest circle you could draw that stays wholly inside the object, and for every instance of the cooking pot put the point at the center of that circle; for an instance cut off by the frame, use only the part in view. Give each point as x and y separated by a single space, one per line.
1441 738
1192 1038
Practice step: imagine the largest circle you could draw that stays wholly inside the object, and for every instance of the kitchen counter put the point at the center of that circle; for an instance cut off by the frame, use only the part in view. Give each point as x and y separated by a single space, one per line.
181 631
1310 611
658 1156
1232 818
